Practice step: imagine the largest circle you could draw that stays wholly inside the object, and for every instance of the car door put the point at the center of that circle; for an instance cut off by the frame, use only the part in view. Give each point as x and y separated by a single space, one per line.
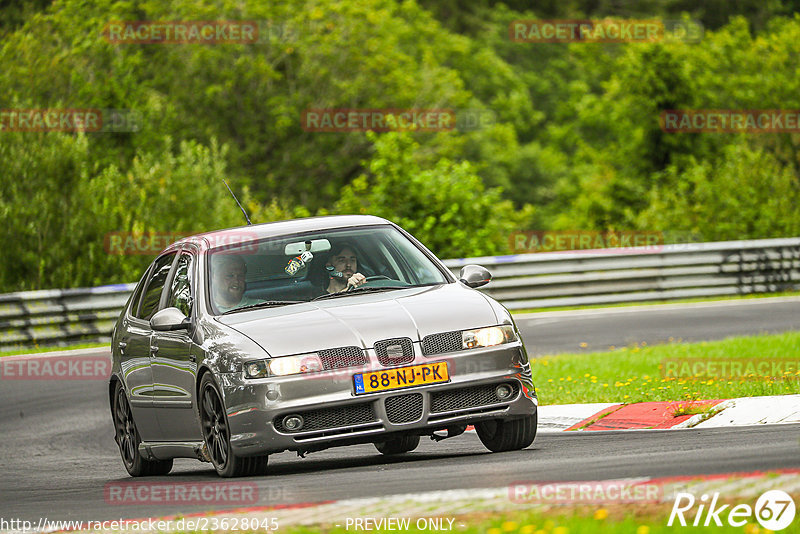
175 364
135 349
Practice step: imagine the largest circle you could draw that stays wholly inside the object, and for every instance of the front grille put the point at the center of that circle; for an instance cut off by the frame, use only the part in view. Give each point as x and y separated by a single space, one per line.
404 408
331 418
342 357
394 351
471 397
441 343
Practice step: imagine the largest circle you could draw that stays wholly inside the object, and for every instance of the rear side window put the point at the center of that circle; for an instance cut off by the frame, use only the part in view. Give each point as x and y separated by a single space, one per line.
180 291
137 292
152 295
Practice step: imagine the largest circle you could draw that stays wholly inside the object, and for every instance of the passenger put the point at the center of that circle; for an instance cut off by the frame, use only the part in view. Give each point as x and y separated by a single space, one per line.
228 273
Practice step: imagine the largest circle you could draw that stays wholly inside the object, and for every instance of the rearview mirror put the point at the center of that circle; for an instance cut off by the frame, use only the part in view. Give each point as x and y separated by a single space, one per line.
169 319
312 245
474 276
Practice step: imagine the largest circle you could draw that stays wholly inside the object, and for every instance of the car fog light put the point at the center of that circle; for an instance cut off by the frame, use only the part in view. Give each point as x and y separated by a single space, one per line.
292 422
503 391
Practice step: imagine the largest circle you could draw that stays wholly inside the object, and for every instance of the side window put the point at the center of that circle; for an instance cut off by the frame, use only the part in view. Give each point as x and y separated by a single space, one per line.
137 292
180 292
152 294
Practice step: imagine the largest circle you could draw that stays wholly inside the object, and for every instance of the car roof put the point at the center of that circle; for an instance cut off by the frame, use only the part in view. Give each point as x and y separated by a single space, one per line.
275 229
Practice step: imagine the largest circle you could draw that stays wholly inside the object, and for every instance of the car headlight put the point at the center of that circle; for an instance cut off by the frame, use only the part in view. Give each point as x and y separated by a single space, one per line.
285 365
487 337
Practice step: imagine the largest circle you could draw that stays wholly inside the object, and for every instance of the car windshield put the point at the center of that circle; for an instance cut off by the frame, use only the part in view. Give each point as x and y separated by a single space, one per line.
317 265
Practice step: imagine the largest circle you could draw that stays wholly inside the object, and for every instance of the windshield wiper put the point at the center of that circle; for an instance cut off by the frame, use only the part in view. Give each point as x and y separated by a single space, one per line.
265 304
359 290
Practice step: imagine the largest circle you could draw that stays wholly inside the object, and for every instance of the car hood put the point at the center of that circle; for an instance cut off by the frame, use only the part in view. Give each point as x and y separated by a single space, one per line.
361 320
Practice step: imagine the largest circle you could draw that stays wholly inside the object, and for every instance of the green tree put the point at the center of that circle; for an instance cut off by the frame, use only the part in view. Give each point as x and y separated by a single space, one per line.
59 210
746 194
445 206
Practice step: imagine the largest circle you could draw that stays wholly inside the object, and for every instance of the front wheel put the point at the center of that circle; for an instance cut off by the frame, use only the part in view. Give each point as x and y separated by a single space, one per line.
500 435
398 445
128 440
217 435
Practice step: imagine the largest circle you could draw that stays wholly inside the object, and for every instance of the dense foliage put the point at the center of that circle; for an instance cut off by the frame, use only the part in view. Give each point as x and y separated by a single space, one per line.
576 143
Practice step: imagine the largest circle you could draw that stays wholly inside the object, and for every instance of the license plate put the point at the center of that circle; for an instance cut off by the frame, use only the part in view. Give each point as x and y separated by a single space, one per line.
402 377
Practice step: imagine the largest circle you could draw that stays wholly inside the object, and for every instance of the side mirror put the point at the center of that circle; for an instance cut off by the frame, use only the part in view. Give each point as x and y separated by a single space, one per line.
169 319
474 276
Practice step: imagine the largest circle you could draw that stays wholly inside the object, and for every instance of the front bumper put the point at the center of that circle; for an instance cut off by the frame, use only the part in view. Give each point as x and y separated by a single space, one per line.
335 415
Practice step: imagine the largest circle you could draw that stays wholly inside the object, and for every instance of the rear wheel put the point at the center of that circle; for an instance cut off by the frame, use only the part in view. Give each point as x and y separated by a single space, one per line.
500 435
217 435
127 437
398 445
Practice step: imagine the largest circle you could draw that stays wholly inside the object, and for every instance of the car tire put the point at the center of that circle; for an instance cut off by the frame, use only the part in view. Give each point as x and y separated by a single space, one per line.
398 445
127 437
217 435
500 435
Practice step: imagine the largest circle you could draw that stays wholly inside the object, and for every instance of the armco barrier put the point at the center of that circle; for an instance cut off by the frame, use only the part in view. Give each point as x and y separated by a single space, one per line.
60 316
544 280
580 278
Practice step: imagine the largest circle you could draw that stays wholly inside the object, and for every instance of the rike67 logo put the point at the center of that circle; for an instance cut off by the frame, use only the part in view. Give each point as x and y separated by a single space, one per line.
774 510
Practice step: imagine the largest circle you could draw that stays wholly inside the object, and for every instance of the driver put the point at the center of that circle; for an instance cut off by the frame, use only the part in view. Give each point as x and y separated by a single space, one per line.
228 282
343 259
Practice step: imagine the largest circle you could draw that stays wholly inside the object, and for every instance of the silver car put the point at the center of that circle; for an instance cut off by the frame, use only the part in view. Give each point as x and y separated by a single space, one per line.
308 334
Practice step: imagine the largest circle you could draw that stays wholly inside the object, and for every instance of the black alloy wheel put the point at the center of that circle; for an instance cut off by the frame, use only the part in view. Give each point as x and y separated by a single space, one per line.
217 435
127 437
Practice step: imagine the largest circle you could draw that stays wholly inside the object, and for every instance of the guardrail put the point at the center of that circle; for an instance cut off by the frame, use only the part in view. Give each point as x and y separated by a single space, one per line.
60 316
581 278
544 280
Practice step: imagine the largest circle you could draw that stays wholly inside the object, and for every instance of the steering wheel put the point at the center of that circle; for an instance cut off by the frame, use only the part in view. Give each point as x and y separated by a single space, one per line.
369 279
377 277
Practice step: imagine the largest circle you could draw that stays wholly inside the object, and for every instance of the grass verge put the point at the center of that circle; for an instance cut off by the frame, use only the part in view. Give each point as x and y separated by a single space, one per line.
641 373
655 302
37 350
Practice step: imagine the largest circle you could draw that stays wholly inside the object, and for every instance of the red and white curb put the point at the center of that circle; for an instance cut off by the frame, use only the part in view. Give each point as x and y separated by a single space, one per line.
781 409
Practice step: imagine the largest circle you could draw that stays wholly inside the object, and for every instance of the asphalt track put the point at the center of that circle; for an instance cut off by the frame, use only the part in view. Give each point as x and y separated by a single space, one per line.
557 332
57 451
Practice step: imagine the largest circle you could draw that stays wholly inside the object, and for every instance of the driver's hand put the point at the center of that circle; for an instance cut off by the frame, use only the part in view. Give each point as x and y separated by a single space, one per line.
356 280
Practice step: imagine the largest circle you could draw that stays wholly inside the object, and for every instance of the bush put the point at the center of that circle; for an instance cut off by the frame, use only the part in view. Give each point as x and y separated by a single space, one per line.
58 209
748 194
446 207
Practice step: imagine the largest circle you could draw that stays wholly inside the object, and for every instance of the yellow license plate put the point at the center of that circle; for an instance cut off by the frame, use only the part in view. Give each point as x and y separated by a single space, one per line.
402 377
